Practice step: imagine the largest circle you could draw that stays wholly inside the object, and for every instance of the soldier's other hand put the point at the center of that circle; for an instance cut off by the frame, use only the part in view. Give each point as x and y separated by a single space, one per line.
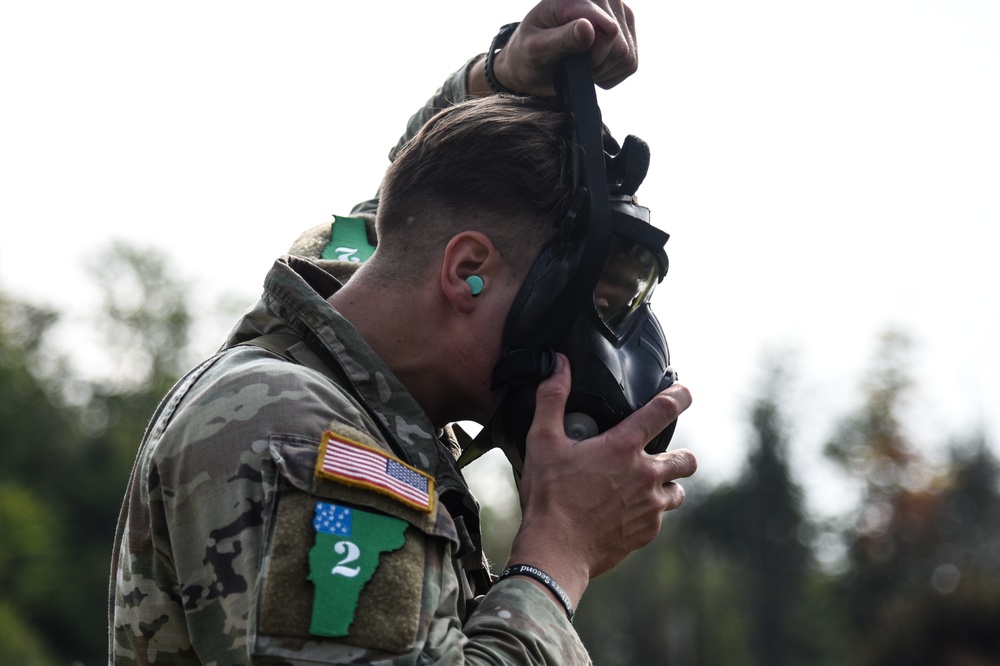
554 29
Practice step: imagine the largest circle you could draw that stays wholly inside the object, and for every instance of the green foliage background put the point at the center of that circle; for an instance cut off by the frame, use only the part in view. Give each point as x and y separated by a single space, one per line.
740 575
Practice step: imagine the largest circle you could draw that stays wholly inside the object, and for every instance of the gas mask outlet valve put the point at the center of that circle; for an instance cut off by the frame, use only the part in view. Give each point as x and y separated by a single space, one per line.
580 426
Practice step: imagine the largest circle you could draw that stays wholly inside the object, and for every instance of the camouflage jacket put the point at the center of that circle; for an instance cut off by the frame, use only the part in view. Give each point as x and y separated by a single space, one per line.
232 546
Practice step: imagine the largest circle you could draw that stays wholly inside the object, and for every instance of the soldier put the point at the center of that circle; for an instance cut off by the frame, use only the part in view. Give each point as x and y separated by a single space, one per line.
296 498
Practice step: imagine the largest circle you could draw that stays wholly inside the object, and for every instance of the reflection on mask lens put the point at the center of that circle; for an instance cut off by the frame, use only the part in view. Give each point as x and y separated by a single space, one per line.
626 283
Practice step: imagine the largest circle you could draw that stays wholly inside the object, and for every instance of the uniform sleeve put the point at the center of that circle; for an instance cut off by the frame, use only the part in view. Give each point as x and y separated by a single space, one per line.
517 623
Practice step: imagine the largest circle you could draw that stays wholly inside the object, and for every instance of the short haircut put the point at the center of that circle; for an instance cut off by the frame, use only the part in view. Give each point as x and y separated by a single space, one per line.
500 165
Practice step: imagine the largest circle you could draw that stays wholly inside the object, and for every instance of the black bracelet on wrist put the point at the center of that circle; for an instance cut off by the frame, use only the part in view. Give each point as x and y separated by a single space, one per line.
544 579
498 43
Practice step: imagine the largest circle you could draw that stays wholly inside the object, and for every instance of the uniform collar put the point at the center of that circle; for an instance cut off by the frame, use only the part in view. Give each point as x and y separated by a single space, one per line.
295 297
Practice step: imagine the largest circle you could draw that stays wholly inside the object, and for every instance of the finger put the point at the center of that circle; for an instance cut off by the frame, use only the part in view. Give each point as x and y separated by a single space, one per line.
606 44
614 56
602 28
622 60
629 63
673 496
650 419
676 464
630 28
616 69
603 16
625 18
550 401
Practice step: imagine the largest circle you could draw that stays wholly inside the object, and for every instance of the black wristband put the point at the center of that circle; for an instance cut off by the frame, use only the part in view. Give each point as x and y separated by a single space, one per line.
544 579
498 43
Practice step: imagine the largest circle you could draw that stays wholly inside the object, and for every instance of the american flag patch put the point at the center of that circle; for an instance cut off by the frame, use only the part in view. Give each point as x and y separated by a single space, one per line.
347 461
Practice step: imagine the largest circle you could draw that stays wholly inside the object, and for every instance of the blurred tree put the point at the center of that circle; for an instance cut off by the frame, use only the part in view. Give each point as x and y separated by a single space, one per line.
637 615
759 522
931 629
68 445
38 445
924 549
894 534
144 315
30 408
970 516
953 617
27 560
19 642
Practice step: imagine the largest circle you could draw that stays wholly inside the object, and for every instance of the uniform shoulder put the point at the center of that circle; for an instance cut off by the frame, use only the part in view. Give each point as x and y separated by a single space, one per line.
249 395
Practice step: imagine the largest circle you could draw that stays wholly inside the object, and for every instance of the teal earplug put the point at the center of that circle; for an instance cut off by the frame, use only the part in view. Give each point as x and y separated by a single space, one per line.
475 284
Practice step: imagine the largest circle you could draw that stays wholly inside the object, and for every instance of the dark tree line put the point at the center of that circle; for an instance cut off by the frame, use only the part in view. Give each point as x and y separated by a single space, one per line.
733 579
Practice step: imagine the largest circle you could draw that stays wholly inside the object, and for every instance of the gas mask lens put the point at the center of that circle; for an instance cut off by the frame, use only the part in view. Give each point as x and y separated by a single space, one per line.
630 274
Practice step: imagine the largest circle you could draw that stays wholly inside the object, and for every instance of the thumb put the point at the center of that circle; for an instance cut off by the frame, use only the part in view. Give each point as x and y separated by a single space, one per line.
571 38
550 400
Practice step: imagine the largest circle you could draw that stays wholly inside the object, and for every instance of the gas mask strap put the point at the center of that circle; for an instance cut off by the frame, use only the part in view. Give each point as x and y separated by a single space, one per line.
575 87
561 284
591 224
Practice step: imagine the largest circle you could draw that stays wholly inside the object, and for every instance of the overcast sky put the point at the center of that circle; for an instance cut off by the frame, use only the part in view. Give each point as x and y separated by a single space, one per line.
826 170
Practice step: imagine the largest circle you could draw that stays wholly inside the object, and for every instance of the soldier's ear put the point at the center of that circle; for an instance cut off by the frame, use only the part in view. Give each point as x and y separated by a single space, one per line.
469 254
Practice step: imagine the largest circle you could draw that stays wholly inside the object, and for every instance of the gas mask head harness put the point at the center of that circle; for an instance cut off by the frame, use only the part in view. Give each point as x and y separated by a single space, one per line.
587 294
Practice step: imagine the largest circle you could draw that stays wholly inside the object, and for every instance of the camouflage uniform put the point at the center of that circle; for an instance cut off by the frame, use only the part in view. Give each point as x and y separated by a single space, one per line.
211 563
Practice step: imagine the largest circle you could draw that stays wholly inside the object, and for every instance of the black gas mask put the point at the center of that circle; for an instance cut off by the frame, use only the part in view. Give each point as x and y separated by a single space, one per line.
587 295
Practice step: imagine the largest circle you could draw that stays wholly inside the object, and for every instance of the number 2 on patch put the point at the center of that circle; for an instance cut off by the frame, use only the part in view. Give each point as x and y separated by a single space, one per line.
350 552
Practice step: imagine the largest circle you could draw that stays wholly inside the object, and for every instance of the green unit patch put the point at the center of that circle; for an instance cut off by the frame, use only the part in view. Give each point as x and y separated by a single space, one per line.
348 240
344 558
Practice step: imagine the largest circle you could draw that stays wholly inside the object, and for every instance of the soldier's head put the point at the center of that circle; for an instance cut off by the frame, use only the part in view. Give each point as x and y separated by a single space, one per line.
498 165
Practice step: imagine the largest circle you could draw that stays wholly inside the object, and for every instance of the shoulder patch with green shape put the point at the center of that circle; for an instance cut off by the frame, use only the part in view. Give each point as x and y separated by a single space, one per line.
348 240
344 558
